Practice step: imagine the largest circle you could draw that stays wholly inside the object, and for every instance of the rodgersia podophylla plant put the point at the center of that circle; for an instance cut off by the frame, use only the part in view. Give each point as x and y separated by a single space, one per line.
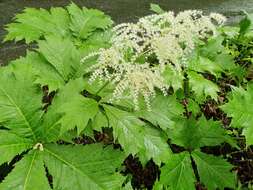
141 51
59 132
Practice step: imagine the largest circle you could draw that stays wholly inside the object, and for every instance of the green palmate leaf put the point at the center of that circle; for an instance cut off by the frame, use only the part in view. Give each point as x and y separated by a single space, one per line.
173 77
202 87
214 58
136 137
155 146
239 107
35 23
226 62
85 21
62 55
46 74
212 47
20 100
99 39
214 172
203 64
84 167
164 110
50 130
193 134
99 121
28 174
177 173
12 145
76 110
193 107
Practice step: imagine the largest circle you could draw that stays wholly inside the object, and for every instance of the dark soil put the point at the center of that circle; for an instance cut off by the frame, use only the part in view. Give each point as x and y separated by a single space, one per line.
142 177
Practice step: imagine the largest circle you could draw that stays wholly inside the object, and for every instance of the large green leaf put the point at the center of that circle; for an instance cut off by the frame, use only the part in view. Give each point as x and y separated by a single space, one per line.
172 77
202 87
136 137
12 145
20 100
78 110
86 167
155 146
215 173
203 64
46 74
28 174
163 110
34 23
177 173
193 134
239 107
85 21
71 108
62 55
99 39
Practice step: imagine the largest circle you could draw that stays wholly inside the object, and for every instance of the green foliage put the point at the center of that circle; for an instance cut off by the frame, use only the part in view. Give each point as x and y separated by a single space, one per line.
28 174
85 21
177 173
62 56
246 24
156 8
12 145
92 165
202 87
162 115
193 134
214 172
33 24
136 137
20 100
239 108
77 109
43 127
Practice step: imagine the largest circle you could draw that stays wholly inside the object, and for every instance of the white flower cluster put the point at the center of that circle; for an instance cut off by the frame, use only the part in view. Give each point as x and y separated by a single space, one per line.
166 38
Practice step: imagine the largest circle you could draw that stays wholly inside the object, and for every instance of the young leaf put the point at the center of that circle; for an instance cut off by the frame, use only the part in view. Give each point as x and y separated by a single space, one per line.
12 145
20 100
177 173
86 167
34 23
85 21
193 134
137 138
62 55
239 107
156 8
215 173
29 173
202 87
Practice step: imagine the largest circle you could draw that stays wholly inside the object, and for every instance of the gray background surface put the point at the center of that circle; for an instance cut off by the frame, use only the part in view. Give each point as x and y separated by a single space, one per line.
119 10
